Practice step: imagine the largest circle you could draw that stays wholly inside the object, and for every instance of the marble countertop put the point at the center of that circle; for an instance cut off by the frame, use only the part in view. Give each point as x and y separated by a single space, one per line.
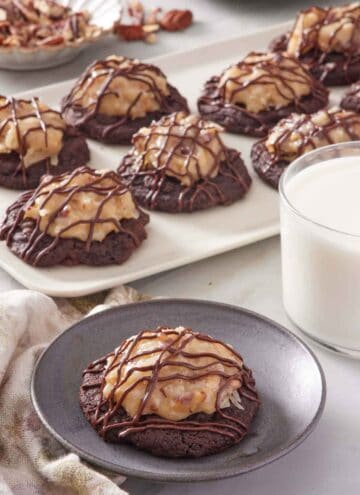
328 462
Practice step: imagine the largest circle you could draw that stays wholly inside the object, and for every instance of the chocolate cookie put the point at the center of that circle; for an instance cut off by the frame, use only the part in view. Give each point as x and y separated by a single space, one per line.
266 166
272 74
332 55
34 140
74 153
40 241
106 105
166 442
180 164
195 435
299 134
351 99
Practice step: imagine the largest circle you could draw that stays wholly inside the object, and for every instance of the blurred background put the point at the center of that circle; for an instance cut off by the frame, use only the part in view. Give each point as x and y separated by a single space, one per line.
214 20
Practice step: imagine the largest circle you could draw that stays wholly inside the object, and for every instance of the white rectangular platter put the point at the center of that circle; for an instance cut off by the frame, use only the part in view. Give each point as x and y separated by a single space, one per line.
173 240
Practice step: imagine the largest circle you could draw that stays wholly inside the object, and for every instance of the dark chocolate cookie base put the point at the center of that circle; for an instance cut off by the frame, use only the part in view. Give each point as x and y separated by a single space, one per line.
332 69
231 184
351 99
168 442
114 249
268 170
113 130
237 119
75 153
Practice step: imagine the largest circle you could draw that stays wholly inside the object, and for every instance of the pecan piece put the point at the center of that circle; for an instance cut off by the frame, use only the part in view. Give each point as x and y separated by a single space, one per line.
136 32
136 11
176 20
51 41
130 32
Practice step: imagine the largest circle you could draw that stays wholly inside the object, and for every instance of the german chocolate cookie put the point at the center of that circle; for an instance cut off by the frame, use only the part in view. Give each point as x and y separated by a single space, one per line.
180 164
34 140
117 96
351 99
327 40
253 95
191 395
299 134
86 217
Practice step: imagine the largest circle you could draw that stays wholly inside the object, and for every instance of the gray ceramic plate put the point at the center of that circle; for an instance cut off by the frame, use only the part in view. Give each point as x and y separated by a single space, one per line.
289 379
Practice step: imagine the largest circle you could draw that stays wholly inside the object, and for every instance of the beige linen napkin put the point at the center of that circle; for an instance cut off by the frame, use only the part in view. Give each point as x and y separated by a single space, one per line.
32 462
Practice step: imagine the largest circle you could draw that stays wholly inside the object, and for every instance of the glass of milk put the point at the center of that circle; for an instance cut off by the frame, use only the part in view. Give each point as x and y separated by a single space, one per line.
320 241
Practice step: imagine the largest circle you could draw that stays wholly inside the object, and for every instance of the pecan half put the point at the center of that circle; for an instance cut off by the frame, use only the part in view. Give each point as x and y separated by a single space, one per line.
136 32
176 20
130 32
51 41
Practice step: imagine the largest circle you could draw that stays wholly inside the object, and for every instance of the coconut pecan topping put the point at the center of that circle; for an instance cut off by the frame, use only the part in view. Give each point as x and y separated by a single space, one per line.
172 373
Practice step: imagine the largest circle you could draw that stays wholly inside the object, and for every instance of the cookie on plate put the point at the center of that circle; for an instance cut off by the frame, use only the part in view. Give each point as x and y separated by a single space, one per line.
117 96
173 392
328 41
35 140
299 134
83 217
180 164
351 99
252 95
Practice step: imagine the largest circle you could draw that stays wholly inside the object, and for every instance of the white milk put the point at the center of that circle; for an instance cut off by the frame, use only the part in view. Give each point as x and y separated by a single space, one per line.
321 267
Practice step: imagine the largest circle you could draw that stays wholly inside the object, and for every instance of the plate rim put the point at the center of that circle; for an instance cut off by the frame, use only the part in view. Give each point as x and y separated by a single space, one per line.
257 235
200 475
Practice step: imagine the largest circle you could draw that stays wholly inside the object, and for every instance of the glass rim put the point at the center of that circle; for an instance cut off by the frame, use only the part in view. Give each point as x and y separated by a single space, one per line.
289 169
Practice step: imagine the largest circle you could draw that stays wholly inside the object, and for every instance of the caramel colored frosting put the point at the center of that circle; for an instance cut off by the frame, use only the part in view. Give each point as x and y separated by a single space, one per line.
335 29
85 204
173 373
298 134
264 81
118 87
31 129
183 146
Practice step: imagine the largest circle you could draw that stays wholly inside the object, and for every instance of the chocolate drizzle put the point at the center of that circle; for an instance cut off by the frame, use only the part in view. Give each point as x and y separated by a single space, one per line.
103 414
330 66
110 69
276 72
15 216
310 36
271 163
35 112
237 118
179 139
308 138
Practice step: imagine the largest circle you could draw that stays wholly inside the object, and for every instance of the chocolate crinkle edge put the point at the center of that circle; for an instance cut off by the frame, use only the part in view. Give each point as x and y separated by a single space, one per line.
231 184
119 130
235 118
268 169
73 154
116 248
332 69
165 442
